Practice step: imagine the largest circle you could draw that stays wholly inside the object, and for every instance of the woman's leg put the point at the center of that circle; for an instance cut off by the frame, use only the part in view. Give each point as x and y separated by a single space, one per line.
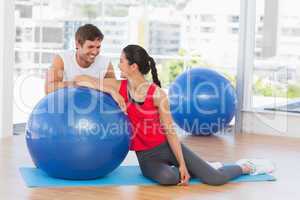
155 164
160 165
202 170
160 172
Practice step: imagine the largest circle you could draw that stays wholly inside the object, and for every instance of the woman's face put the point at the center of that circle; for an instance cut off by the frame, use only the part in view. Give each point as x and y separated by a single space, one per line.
124 66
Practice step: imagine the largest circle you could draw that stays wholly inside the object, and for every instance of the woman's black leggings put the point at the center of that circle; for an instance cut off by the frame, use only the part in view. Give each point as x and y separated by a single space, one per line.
160 165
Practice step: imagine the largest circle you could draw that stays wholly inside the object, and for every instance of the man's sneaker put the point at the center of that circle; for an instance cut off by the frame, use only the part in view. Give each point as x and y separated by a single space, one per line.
257 166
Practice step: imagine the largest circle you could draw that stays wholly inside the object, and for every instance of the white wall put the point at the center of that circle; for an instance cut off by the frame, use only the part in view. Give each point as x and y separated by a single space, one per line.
7 33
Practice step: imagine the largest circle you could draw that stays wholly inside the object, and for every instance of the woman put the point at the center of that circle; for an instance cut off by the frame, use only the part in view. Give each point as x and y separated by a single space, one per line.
161 156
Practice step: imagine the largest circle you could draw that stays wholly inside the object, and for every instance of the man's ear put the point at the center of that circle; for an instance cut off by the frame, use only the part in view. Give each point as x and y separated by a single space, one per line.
77 44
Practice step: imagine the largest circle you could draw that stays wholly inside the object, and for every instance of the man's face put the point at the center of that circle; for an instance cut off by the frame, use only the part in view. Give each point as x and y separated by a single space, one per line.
89 50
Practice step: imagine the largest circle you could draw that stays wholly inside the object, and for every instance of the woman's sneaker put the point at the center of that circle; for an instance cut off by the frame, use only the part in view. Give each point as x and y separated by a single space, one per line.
257 166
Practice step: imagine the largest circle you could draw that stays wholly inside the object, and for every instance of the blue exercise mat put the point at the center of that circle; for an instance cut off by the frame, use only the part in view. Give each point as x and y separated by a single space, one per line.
123 175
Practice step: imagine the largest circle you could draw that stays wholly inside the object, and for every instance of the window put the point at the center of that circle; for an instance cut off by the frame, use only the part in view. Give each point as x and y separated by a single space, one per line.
276 80
177 37
290 31
234 18
207 29
234 30
208 18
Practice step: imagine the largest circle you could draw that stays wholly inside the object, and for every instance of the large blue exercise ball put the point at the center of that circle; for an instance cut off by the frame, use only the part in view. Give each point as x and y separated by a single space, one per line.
202 101
77 133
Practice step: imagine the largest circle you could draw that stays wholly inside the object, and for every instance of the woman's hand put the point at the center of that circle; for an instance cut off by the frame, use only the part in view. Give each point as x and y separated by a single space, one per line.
184 175
120 101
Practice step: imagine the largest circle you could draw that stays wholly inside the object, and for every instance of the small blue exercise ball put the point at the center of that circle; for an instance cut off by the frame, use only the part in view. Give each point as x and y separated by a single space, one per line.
77 133
202 101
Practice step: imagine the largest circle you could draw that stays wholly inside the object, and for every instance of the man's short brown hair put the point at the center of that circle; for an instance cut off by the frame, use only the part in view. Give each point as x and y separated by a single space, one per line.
88 32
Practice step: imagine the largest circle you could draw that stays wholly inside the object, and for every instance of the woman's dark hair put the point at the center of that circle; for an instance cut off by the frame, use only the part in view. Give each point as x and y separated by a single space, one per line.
138 55
88 32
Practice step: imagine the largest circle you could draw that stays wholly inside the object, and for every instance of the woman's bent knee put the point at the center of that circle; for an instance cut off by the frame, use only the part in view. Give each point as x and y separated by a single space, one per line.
216 181
168 179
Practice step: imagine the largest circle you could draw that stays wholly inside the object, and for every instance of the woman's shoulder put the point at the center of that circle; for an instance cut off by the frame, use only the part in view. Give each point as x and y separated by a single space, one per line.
159 95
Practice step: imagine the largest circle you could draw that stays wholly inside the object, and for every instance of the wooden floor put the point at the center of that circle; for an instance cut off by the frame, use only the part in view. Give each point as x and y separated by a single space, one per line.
284 151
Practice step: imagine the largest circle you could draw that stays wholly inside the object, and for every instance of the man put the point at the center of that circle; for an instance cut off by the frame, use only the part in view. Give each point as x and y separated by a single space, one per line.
84 61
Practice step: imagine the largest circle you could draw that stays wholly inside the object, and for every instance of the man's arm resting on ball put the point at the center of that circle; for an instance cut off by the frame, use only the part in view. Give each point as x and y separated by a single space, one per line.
92 82
108 85
55 75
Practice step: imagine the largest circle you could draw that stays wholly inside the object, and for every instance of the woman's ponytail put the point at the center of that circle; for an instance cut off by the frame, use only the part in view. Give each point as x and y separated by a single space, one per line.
154 71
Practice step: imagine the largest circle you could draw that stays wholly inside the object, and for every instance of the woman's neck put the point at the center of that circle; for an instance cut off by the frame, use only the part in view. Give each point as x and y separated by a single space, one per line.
137 82
138 87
